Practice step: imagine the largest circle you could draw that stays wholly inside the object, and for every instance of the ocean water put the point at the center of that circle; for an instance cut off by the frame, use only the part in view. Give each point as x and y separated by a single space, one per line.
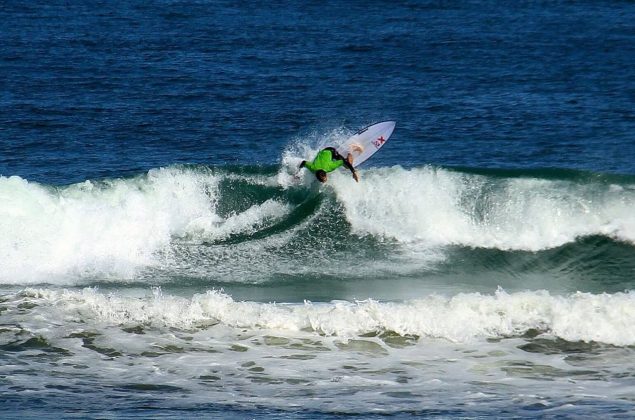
159 257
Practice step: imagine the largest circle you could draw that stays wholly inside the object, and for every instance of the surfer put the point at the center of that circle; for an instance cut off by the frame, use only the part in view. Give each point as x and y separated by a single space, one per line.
328 160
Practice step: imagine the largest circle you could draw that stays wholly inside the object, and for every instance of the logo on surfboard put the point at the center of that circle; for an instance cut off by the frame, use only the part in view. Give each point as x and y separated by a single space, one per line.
379 142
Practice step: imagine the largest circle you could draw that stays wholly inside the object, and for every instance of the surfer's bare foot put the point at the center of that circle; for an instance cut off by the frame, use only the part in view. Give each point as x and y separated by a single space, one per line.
357 148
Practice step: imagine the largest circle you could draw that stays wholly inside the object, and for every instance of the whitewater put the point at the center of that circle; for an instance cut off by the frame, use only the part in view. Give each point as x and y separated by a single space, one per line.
188 281
118 227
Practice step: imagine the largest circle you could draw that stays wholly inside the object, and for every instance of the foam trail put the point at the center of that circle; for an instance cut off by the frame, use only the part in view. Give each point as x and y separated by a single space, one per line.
246 222
437 207
606 318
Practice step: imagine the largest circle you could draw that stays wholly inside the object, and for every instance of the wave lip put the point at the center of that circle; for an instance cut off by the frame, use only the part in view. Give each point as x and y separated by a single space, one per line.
604 318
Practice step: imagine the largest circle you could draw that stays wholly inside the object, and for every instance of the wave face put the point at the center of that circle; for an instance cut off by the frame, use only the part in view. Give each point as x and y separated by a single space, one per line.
251 224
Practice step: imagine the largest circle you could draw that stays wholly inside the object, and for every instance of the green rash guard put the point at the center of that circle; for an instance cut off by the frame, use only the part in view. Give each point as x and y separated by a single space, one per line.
324 161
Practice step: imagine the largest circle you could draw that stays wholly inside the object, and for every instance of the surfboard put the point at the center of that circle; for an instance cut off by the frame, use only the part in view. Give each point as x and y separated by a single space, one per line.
367 141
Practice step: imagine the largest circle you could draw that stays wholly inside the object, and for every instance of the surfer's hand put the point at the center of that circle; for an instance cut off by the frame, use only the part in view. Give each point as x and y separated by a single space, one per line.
355 176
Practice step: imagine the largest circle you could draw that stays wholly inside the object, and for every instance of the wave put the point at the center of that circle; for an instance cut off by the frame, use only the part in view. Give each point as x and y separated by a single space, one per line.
604 318
97 226
116 227
444 207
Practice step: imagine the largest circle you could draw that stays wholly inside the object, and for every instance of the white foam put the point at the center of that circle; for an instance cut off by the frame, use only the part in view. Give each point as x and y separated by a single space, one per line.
240 223
438 207
606 318
110 228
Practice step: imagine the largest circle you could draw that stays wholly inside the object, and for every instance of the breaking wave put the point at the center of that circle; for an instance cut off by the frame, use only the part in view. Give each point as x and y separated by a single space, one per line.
605 318
115 227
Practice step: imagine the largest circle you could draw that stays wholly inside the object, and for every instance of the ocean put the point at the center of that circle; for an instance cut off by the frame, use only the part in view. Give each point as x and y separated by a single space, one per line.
160 256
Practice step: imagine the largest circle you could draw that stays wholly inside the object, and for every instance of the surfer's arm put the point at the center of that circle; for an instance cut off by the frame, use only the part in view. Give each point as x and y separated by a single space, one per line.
308 165
348 162
355 176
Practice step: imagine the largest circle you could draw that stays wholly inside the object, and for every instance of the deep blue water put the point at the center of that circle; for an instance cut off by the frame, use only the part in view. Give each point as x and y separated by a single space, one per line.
148 219
93 89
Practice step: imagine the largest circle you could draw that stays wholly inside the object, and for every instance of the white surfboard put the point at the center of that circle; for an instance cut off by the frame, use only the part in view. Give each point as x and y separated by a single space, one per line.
367 141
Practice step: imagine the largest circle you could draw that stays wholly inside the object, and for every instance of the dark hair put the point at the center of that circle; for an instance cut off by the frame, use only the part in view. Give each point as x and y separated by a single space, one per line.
320 175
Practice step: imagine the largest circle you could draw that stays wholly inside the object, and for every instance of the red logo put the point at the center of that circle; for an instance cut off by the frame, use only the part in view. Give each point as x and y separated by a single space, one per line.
379 142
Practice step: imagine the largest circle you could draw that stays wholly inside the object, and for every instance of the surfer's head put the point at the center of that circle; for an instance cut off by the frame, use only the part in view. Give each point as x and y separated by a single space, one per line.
320 175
